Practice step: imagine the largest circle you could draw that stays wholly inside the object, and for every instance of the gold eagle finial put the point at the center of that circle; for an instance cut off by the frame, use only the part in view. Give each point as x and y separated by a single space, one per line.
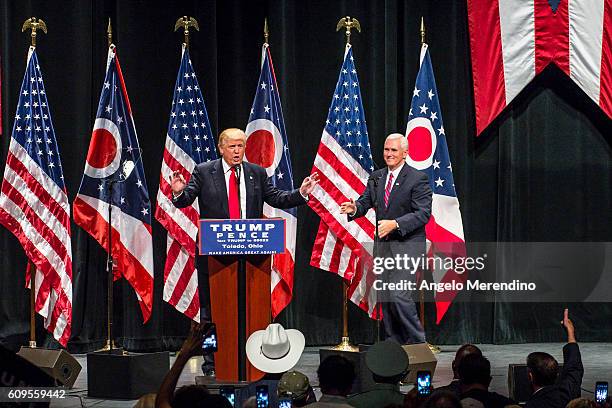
348 23
185 22
34 24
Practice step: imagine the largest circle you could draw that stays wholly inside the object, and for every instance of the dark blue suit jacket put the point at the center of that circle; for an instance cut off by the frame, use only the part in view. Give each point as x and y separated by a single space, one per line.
207 183
409 202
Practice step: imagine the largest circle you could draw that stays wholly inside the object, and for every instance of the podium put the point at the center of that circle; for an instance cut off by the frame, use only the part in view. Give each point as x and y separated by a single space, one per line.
239 264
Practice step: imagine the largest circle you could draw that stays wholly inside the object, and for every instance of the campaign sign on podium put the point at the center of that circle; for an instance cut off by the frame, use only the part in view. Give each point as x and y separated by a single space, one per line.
239 264
264 236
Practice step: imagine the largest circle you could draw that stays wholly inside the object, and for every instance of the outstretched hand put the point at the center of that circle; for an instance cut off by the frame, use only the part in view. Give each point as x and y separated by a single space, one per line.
309 184
348 207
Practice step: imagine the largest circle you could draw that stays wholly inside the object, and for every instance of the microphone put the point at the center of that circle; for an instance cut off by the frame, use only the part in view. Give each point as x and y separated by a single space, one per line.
237 168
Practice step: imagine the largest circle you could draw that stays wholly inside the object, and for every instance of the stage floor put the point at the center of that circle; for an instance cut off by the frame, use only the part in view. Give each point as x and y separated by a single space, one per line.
596 358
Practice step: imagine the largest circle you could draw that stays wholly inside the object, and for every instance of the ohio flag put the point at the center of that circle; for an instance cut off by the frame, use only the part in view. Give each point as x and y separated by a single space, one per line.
428 152
267 146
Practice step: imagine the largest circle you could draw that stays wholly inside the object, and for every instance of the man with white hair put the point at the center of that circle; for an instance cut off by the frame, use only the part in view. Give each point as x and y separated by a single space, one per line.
401 197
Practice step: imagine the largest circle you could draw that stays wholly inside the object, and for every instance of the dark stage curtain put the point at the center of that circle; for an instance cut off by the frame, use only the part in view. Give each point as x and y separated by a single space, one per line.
541 172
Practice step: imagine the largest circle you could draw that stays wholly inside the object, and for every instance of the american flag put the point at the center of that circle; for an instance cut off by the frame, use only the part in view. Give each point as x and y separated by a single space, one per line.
34 203
114 160
511 42
268 147
344 162
189 141
428 152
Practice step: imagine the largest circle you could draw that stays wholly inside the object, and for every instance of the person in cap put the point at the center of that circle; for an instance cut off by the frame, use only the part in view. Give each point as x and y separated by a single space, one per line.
388 363
295 385
274 351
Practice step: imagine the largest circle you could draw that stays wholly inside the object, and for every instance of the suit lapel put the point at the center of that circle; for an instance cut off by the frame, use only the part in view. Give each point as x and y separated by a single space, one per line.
249 183
219 178
397 183
381 189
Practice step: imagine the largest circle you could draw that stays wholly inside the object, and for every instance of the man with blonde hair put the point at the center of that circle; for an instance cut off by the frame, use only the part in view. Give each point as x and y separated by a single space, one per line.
231 188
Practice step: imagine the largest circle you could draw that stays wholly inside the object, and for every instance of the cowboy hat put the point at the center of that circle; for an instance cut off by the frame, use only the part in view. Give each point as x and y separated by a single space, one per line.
275 350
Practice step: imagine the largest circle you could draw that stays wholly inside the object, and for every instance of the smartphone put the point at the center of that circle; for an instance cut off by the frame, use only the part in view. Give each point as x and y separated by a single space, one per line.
423 382
284 403
262 397
229 393
601 391
209 341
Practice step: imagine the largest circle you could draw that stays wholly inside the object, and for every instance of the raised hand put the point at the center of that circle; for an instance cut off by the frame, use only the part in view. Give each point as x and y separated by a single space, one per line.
569 327
309 184
177 182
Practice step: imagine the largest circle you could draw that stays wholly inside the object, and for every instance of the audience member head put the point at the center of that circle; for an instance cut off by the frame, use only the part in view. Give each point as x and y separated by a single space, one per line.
190 396
465 350
442 399
472 403
542 369
336 375
275 350
296 386
581 403
475 371
251 402
387 361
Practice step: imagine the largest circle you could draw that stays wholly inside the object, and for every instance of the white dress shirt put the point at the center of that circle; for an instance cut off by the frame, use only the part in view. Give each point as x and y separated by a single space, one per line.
226 172
395 173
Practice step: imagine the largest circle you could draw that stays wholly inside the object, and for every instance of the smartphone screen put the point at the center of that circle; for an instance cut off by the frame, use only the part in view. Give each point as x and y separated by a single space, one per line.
209 341
423 382
601 391
284 403
228 392
261 395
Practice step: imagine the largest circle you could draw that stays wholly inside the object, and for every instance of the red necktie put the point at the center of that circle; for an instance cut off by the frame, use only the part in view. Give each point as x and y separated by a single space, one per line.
388 190
232 199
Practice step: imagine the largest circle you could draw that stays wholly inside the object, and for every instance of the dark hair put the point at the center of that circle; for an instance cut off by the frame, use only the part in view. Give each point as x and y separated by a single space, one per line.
474 369
336 373
442 399
189 396
462 352
543 367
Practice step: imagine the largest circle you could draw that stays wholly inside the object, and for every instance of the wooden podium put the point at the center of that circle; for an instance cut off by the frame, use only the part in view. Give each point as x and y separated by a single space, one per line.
240 305
239 296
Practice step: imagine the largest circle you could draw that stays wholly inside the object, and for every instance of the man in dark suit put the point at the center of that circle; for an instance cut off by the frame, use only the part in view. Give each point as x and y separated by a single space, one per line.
402 197
230 188
551 390
216 183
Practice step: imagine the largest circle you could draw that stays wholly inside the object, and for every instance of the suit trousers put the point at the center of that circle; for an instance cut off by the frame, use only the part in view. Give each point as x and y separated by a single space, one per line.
400 319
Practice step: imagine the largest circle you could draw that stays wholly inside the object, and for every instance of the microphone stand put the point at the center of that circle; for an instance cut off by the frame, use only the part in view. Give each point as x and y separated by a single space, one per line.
375 250
241 292
110 346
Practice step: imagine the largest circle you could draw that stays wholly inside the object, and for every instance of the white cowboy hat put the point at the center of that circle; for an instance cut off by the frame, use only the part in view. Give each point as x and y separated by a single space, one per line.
275 350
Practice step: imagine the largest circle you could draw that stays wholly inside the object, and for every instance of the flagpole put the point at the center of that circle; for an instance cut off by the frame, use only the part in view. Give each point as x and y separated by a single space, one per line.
434 349
347 23
32 269
33 24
